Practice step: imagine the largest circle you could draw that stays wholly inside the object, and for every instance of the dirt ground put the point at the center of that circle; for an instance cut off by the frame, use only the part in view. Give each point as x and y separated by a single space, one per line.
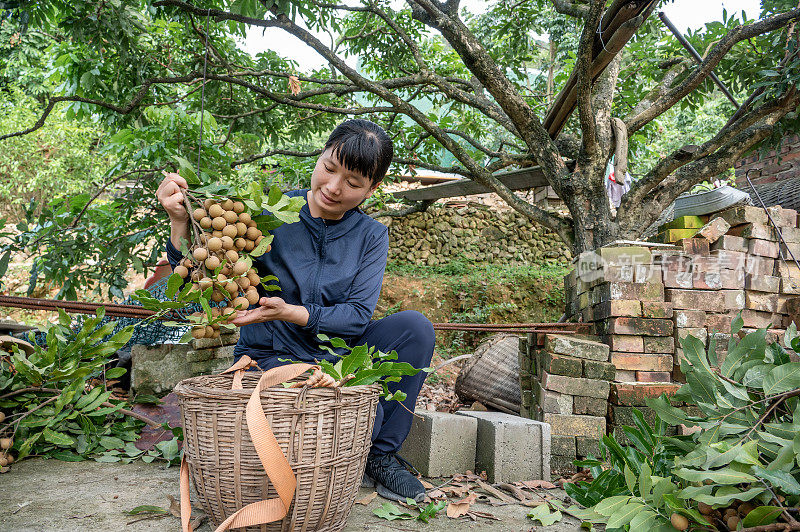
52 496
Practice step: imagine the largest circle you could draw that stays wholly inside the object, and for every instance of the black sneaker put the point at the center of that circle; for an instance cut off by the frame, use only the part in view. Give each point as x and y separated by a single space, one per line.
392 480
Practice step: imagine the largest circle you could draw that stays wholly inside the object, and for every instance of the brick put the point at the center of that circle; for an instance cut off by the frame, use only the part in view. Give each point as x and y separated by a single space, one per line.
744 214
653 291
634 394
658 344
552 402
621 342
623 415
647 273
562 465
563 446
560 364
679 279
694 246
684 222
730 243
625 255
618 307
690 318
656 309
783 217
790 286
576 347
575 386
694 299
719 322
617 273
501 437
594 369
762 283
790 234
590 406
697 332
625 375
732 260
643 326
641 362
441 444
763 248
757 231
714 229
761 301
653 376
674 262
706 280
759 320
731 279
587 446
787 269
790 249
587 426
755 265
732 300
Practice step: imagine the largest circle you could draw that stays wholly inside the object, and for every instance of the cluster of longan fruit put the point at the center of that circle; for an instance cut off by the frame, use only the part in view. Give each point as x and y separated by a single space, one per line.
5 445
233 232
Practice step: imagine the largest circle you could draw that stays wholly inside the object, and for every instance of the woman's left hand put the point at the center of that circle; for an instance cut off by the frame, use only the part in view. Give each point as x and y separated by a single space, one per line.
271 309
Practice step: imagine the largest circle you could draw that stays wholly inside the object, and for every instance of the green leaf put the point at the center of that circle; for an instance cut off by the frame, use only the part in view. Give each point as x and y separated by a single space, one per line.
173 284
544 516
669 414
391 512
782 379
763 515
645 481
58 438
624 515
727 494
115 373
110 442
722 476
261 248
643 520
781 480
608 506
147 509
630 479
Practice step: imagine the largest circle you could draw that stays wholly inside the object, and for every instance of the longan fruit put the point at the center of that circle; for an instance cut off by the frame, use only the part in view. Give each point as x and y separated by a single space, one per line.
205 222
212 263
214 312
209 331
732 522
227 204
2 417
242 303
187 263
199 214
200 254
679 522
205 236
241 229
230 230
227 243
704 508
249 245
9 459
745 508
240 243
216 233
214 244
218 223
229 313
3 461
253 233
232 255
205 283
6 443
254 278
232 287
240 268
215 326
231 217
243 282
251 223
181 270
216 334
252 295
238 207
245 218
226 269
199 332
217 296
216 211
208 203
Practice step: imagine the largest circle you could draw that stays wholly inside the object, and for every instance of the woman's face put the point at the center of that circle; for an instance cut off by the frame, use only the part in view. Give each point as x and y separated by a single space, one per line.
335 189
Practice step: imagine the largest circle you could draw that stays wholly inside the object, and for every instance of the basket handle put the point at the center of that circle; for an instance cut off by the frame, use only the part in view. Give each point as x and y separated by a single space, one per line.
275 464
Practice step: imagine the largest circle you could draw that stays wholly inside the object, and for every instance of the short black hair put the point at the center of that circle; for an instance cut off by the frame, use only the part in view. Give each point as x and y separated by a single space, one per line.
362 146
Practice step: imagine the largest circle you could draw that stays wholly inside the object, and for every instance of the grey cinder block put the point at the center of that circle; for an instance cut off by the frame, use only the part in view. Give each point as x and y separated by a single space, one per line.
441 444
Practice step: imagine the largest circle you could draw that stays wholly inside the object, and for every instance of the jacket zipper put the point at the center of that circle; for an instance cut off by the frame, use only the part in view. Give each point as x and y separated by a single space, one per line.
317 297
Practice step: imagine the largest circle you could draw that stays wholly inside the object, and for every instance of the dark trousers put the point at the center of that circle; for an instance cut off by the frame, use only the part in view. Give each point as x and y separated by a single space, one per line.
411 335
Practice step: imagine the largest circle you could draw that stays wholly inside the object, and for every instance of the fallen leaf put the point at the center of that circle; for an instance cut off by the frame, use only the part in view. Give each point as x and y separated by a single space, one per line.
456 490
427 485
484 515
536 484
174 506
195 523
368 499
459 508
437 494
494 492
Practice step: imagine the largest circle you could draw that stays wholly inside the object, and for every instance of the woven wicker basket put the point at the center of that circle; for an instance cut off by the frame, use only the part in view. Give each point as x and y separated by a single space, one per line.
324 433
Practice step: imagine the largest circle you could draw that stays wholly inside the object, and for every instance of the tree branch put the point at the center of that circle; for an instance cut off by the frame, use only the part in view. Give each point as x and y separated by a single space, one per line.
583 66
569 7
712 59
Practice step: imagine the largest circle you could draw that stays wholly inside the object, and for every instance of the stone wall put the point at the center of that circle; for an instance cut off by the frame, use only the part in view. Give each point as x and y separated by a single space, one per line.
473 233
772 166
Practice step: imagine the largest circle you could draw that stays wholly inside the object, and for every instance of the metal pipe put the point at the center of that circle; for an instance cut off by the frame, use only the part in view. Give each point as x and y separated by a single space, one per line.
686 44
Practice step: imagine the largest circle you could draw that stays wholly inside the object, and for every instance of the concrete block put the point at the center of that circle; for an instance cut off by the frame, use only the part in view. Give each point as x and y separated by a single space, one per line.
441 444
550 401
560 364
587 446
511 448
742 214
157 369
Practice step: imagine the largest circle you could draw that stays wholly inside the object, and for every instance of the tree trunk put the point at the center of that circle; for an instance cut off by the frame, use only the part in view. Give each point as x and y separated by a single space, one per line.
594 223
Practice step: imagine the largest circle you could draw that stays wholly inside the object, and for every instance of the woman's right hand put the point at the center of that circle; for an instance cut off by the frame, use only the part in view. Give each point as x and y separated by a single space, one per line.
170 196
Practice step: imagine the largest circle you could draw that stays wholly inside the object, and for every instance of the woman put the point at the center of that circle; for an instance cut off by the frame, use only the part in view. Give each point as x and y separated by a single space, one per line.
330 267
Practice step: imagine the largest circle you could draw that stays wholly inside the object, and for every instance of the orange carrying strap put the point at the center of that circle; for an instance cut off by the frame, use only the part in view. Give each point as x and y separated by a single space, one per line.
269 452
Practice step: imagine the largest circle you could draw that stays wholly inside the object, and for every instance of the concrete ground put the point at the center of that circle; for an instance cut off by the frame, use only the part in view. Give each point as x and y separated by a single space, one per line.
50 495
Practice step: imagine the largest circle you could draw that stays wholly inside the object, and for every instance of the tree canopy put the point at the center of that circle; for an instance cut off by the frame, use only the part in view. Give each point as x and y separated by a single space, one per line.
525 83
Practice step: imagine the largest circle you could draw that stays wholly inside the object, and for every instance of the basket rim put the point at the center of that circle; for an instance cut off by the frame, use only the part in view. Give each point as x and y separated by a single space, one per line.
186 388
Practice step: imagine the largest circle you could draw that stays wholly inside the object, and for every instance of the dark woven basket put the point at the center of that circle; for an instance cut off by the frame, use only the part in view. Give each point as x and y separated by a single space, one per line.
491 376
325 434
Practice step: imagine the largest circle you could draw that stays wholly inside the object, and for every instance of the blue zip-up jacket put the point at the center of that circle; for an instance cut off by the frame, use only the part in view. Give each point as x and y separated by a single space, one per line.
334 268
